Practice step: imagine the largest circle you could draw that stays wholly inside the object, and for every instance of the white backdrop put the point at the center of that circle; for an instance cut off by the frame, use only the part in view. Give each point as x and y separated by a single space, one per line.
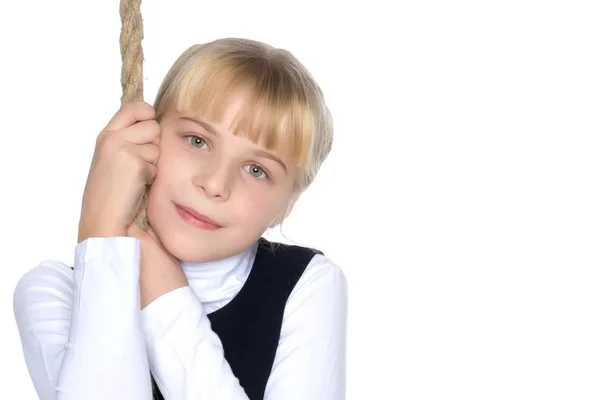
461 197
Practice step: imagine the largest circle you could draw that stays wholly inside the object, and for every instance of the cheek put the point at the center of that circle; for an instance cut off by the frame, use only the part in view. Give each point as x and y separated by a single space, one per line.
258 207
168 179
169 168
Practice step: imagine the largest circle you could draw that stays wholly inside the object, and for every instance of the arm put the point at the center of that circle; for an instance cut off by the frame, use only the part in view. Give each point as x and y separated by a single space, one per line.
186 356
80 330
310 363
180 342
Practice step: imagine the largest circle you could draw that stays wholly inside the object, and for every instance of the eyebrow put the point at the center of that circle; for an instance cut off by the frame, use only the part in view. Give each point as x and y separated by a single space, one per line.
262 153
204 124
257 152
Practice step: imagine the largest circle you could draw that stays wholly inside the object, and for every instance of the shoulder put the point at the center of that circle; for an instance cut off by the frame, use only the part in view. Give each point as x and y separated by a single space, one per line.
322 274
317 308
321 291
49 280
316 278
309 266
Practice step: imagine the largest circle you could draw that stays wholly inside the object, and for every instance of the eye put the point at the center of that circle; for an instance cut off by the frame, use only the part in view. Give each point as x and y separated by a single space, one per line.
196 141
256 171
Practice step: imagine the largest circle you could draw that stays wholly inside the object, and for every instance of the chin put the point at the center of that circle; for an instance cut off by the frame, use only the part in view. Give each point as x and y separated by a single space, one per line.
189 248
204 246
196 245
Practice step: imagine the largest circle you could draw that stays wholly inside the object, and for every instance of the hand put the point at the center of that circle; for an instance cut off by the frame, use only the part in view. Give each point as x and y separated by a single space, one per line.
160 272
124 162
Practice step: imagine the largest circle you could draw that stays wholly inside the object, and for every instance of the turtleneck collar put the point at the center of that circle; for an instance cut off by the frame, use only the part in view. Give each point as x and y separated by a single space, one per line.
217 282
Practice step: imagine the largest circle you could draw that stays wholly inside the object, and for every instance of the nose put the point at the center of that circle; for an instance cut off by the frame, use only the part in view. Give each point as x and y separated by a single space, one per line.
214 179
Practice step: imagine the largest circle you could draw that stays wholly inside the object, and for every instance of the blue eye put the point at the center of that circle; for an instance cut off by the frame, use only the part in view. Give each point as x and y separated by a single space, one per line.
196 141
256 171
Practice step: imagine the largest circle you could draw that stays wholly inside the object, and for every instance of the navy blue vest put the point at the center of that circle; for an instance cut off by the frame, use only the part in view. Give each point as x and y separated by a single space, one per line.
249 325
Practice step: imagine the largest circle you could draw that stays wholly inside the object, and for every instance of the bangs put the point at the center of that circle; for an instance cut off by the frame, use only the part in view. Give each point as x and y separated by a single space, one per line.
276 113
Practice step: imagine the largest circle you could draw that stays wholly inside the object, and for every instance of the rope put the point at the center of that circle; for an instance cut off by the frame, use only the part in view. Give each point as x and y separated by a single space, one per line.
132 80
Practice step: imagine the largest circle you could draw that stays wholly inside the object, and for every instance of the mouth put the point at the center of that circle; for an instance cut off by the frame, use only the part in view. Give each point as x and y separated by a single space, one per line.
195 219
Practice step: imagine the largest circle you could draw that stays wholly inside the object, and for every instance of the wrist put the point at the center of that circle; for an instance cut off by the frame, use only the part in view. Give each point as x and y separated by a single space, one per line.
99 232
154 284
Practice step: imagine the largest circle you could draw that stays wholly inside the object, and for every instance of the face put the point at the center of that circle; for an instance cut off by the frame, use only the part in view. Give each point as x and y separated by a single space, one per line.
238 187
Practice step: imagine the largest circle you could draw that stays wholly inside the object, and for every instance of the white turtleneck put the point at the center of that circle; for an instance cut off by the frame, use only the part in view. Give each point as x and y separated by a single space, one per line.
84 336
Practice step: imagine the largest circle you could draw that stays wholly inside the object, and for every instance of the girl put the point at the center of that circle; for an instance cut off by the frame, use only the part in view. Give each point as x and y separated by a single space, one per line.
200 306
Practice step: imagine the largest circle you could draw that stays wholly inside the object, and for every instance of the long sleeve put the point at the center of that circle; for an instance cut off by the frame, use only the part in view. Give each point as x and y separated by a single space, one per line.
80 330
187 358
310 363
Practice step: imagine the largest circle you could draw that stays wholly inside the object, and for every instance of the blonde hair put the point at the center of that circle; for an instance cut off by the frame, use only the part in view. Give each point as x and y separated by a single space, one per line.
285 110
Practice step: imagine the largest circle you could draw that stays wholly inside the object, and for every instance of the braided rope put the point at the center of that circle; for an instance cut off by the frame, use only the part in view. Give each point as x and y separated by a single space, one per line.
132 80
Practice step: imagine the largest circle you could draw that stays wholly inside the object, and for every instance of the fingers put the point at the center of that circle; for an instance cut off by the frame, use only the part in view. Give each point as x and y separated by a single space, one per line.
129 114
145 160
142 132
148 152
150 173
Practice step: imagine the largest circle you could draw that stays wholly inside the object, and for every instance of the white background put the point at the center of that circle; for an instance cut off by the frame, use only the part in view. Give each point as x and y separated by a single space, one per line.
461 197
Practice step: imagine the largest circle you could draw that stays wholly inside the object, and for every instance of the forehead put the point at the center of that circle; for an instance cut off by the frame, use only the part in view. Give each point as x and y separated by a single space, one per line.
222 128
227 118
238 116
271 116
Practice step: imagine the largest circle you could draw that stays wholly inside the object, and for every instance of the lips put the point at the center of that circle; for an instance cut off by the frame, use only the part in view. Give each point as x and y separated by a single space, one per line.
197 215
